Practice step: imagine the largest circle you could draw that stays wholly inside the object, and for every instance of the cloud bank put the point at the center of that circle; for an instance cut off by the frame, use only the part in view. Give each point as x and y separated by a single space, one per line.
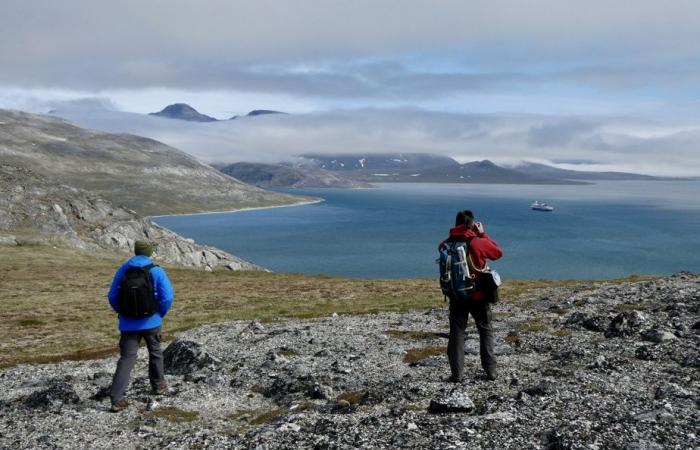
583 143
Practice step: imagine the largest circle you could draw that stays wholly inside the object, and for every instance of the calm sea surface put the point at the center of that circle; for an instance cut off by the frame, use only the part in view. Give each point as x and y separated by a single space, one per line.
604 230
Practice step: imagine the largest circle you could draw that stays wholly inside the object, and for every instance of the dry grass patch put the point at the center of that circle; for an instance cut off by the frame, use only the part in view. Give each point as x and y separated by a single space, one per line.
562 332
414 355
268 416
352 397
410 335
55 299
535 325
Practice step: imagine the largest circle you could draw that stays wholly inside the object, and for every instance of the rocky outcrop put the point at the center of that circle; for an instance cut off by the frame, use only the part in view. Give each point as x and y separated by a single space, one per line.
344 382
86 221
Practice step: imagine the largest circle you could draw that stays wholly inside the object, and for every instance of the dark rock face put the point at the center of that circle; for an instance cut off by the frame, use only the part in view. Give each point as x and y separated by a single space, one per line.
183 111
57 394
184 357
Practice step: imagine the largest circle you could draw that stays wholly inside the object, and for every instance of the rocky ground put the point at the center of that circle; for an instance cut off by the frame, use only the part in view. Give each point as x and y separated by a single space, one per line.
610 366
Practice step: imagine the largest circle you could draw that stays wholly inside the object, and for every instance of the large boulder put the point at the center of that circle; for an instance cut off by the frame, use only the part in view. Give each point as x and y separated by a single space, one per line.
626 324
183 357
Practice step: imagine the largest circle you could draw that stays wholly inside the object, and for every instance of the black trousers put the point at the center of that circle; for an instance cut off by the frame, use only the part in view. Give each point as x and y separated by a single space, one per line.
128 349
459 315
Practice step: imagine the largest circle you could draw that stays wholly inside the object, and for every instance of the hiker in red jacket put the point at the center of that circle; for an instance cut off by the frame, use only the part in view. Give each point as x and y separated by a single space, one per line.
481 249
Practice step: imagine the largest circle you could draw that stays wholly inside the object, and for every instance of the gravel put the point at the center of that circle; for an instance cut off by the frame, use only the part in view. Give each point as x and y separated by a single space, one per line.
619 381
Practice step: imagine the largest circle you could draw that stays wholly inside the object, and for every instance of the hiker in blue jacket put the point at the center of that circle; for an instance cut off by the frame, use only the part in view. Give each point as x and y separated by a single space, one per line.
140 316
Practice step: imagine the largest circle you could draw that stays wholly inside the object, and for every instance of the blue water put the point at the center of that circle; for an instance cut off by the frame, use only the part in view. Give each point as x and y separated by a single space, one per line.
605 230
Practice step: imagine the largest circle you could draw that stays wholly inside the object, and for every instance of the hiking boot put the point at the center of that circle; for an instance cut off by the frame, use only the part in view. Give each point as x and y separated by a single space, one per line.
119 405
454 379
160 389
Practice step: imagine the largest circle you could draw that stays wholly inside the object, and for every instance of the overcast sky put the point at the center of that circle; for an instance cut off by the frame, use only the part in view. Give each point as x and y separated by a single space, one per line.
568 62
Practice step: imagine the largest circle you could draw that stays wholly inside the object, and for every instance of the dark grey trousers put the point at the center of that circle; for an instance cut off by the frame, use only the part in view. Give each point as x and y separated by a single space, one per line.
459 313
128 349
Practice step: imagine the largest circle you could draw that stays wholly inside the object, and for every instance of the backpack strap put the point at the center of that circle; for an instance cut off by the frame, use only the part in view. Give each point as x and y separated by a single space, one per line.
148 267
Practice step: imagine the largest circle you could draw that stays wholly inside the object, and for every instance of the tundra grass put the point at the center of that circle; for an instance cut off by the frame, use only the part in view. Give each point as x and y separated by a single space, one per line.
53 304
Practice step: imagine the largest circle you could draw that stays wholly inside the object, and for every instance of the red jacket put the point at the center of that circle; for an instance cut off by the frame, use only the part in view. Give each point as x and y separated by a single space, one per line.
481 247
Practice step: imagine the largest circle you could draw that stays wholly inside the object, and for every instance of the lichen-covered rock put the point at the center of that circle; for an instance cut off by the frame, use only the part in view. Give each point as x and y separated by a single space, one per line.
56 395
658 336
455 401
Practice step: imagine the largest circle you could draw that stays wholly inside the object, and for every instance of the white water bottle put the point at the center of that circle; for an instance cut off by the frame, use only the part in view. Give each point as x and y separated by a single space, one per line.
463 261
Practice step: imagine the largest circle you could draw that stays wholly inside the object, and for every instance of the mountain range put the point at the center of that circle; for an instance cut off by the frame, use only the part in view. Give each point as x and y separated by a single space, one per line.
183 111
287 175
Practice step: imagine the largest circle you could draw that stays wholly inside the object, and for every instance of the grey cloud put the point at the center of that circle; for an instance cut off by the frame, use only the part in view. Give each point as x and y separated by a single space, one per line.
88 45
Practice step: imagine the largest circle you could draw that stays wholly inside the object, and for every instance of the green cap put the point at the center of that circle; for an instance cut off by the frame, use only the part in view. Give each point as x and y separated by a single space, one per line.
144 248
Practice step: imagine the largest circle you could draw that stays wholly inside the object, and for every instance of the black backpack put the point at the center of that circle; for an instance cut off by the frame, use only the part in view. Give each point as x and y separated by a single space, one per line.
136 294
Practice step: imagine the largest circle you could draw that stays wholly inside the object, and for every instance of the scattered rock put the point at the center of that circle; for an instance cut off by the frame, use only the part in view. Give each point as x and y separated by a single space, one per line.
543 388
658 336
671 390
8 240
644 353
455 401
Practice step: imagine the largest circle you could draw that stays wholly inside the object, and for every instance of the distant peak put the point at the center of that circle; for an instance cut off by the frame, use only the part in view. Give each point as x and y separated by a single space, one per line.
183 111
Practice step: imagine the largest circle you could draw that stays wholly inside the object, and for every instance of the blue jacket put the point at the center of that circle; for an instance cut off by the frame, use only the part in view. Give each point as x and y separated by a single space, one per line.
163 290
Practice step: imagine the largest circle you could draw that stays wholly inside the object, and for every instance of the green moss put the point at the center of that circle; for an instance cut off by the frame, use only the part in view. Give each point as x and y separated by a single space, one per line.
174 414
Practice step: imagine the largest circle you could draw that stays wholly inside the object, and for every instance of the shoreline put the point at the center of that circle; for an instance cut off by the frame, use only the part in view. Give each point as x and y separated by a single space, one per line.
250 208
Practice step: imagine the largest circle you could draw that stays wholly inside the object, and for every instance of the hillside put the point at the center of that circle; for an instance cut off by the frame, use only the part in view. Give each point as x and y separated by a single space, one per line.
36 210
144 175
582 365
280 175
422 168
376 162
545 171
